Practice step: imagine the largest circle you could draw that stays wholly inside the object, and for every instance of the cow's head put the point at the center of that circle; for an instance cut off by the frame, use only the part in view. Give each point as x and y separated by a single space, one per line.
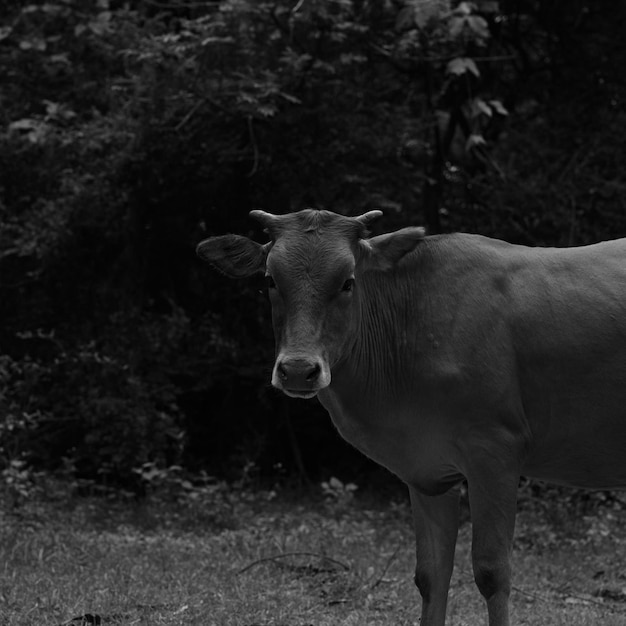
313 266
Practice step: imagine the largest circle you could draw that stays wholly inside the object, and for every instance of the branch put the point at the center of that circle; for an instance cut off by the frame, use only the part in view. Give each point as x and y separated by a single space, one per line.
287 554
189 115
390 560
583 599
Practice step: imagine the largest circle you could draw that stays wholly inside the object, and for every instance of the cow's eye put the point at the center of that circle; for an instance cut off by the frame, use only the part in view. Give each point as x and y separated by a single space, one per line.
348 286
271 283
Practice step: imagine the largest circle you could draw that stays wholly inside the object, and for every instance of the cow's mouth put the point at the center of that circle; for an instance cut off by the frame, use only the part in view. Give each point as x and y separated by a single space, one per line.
303 394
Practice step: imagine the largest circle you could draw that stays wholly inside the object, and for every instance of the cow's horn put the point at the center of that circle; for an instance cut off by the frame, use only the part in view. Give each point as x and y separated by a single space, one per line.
369 217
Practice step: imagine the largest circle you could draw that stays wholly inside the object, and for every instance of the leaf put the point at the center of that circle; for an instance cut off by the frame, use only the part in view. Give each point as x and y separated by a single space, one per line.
488 6
267 110
210 40
462 65
60 58
484 108
478 26
419 13
51 9
5 31
290 98
349 58
462 19
247 98
479 106
406 18
24 124
498 107
464 8
57 111
33 44
31 129
456 26
335 483
474 141
425 10
99 27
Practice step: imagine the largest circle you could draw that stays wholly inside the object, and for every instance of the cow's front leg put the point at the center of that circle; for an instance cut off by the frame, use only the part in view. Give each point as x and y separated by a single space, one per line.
436 521
493 499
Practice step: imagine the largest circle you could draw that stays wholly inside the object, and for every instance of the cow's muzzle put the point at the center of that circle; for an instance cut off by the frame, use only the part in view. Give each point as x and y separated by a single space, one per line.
300 377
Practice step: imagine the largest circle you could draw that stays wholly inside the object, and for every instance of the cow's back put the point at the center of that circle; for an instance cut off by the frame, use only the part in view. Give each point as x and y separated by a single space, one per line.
566 309
542 333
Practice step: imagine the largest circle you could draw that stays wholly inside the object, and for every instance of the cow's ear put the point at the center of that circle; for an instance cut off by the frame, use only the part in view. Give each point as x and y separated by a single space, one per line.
234 255
384 251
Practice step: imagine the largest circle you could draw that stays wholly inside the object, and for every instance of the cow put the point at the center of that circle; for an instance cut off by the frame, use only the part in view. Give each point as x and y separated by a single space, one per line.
450 358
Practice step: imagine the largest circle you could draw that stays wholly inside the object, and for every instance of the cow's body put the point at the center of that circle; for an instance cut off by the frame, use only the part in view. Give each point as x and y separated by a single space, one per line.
479 343
452 358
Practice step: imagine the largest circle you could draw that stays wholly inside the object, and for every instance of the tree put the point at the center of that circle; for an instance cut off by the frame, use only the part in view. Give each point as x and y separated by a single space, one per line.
131 130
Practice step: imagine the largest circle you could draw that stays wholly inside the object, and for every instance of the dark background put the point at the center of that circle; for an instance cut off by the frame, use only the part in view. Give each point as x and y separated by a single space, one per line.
131 130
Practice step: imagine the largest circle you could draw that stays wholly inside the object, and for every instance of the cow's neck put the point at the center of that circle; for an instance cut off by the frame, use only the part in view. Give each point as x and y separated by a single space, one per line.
388 328
372 395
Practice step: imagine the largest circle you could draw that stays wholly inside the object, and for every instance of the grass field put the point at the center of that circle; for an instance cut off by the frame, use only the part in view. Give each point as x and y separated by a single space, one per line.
271 560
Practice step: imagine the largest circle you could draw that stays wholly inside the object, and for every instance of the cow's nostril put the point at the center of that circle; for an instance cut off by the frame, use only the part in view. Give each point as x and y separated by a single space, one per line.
314 373
282 372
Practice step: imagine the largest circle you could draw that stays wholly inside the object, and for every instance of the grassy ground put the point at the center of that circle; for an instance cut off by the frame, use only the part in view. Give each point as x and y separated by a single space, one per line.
255 560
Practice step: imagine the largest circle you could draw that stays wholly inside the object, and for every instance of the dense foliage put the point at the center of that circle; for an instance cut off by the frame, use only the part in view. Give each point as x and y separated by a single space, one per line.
130 130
